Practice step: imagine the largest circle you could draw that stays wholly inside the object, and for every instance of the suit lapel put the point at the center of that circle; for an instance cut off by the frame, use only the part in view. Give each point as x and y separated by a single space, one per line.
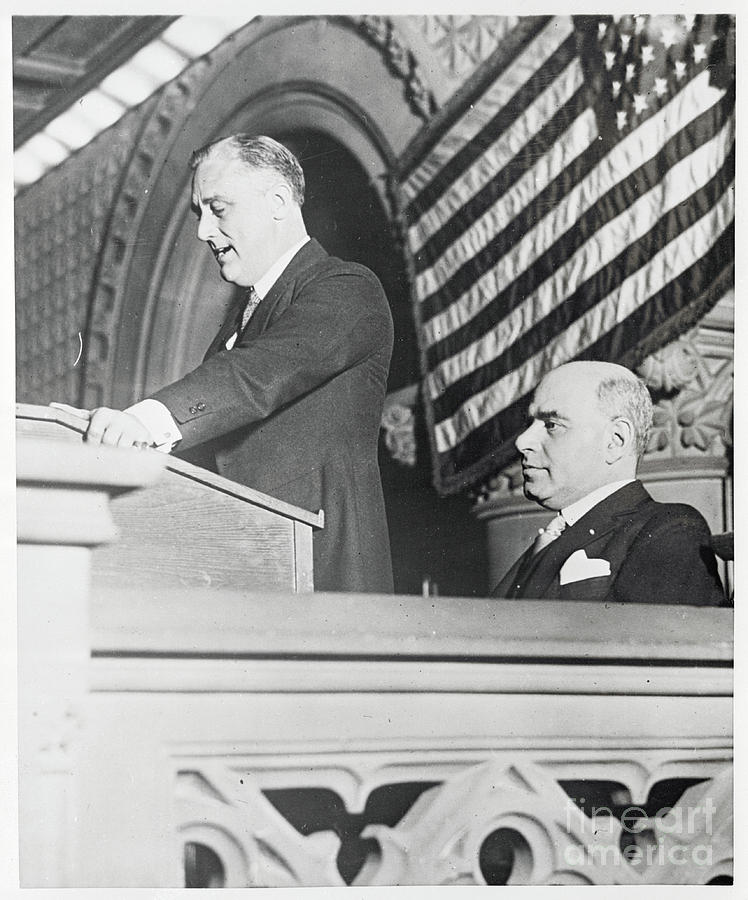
595 524
311 253
227 328
280 293
507 587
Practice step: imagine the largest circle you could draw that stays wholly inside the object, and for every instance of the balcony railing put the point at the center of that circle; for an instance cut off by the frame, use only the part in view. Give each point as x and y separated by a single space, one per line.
208 736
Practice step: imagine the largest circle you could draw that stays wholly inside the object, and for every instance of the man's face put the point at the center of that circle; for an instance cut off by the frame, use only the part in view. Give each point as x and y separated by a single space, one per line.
235 210
563 448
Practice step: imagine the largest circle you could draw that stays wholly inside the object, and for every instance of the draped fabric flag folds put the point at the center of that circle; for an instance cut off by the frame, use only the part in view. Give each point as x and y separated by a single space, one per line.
574 201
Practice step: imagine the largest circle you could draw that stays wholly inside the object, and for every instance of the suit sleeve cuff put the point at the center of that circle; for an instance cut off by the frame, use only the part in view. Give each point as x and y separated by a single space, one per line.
159 421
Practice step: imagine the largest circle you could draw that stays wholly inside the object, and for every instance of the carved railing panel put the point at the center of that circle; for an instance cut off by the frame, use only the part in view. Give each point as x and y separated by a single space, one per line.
386 740
503 824
654 817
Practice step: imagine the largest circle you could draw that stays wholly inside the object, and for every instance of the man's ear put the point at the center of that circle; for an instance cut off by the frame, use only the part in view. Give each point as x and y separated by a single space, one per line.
621 440
281 200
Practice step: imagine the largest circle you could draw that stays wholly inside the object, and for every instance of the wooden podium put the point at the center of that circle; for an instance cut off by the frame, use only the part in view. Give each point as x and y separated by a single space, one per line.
192 528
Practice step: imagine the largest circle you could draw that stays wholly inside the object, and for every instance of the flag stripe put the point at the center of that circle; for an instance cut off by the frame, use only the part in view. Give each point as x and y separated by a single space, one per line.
486 450
480 278
504 138
561 215
541 158
479 291
672 260
470 138
559 273
636 257
515 183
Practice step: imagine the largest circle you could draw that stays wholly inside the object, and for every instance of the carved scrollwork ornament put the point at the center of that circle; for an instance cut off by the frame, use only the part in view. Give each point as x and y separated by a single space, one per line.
507 483
381 32
545 838
693 408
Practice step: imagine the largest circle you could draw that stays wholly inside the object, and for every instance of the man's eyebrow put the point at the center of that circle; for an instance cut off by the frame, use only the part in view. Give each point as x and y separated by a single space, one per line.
546 415
206 201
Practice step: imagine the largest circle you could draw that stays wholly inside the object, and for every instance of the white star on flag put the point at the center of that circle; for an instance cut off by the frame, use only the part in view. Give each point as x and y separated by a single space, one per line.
602 27
630 71
680 69
503 293
699 52
668 37
625 41
648 54
640 23
690 21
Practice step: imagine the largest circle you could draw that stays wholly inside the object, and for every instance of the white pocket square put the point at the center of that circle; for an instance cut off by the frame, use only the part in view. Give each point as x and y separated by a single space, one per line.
579 566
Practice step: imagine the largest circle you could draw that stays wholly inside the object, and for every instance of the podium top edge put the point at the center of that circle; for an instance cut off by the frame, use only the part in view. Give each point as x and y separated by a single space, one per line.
33 412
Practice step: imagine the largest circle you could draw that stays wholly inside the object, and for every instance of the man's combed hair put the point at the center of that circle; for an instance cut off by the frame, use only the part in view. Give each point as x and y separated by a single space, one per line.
626 395
258 152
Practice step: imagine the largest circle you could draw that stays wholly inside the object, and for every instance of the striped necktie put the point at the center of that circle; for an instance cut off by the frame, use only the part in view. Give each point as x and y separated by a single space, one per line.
548 534
253 301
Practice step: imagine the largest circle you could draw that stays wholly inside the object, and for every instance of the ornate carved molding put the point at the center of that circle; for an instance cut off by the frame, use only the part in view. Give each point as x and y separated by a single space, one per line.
463 42
380 31
631 818
60 224
163 117
228 813
398 424
505 484
692 385
499 824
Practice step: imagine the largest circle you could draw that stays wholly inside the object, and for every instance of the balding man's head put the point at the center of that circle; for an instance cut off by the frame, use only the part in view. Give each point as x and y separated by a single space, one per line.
619 392
589 424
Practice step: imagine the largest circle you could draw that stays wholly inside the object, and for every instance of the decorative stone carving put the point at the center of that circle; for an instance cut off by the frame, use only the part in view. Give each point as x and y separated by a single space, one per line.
398 424
226 811
693 390
60 225
498 823
509 819
379 30
462 43
162 116
507 483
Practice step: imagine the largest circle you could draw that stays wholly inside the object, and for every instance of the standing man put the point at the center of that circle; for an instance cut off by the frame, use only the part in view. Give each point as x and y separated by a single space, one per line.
609 539
291 390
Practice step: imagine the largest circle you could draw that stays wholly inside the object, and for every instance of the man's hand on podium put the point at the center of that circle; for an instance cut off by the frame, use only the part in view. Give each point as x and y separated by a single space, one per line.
111 427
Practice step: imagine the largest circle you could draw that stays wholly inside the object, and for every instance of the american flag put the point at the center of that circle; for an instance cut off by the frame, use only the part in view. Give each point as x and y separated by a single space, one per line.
574 201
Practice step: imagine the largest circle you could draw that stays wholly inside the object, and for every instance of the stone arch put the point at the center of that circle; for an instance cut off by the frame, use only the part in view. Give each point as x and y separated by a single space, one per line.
149 321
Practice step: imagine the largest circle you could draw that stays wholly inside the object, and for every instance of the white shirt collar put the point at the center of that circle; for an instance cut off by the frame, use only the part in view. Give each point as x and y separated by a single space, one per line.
262 285
574 511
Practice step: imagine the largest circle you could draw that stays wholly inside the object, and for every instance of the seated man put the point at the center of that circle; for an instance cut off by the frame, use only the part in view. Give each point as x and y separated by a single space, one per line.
610 540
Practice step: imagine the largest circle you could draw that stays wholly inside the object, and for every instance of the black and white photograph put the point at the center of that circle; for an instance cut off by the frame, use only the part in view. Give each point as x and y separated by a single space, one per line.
374 451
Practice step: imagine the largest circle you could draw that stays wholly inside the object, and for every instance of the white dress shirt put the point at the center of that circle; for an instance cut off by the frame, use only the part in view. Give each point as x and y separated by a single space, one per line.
574 511
154 415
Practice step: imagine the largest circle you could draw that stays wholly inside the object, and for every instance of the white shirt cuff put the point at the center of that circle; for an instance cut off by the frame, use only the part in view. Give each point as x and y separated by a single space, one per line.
159 421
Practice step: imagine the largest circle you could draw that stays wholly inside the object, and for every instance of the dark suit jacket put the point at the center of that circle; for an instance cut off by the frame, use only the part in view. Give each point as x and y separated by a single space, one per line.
296 406
658 553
